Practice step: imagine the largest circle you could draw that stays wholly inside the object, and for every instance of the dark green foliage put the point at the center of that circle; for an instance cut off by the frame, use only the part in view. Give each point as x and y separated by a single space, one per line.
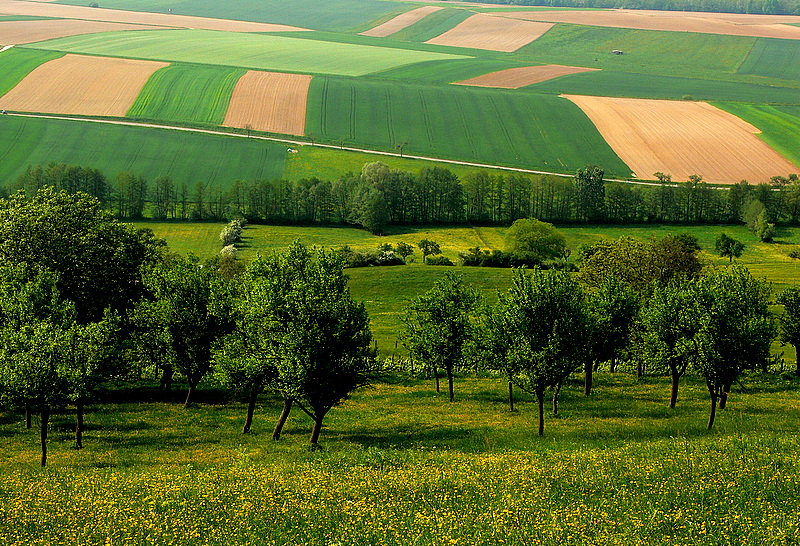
538 240
789 320
590 195
69 178
439 260
728 247
475 257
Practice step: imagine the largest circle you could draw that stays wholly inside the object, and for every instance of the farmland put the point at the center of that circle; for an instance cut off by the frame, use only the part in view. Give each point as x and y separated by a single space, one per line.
773 58
270 101
18 63
779 124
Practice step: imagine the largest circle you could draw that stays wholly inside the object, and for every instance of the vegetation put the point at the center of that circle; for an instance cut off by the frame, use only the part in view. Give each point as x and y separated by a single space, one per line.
773 58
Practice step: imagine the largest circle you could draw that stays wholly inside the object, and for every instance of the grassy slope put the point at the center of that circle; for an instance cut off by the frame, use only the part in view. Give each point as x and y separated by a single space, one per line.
337 15
189 158
187 93
775 58
18 62
471 124
257 51
780 125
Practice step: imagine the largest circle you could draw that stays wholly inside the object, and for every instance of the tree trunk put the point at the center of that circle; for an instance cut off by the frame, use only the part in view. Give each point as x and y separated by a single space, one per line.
165 384
797 363
556 390
588 370
436 378
510 396
79 424
287 407
713 409
251 407
673 399
639 369
449 370
315 433
43 435
723 399
540 400
190 392
28 416
613 365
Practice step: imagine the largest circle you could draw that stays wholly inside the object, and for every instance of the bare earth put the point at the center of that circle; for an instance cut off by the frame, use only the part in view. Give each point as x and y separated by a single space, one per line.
401 21
763 26
43 9
82 85
683 138
26 32
514 78
270 101
483 31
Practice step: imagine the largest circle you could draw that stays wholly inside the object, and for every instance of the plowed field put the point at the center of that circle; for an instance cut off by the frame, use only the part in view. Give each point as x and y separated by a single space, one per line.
683 138
270 101
762 26
492 33
401 21
514 78
77 84
26 32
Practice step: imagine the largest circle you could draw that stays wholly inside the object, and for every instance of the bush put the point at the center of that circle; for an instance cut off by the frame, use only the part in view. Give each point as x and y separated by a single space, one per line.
475 257
440 260
367 258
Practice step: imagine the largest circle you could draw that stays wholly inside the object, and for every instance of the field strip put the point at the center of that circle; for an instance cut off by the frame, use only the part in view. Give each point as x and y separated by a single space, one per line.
759 26
78 84
682 139
269 101
492 33
26 32
64 11
6 48
514 78
401 21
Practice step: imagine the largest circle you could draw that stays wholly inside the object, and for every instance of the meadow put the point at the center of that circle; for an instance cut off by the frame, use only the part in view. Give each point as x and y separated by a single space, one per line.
773 58
189 158
19 62
255 51
187 94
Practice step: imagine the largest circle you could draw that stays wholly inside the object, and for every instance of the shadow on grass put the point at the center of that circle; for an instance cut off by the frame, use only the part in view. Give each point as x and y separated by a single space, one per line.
407 437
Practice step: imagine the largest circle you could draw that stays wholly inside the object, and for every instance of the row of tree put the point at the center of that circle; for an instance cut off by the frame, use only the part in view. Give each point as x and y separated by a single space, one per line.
769 7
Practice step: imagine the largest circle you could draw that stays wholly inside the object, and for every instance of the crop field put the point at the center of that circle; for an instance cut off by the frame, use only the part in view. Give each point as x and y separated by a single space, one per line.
36 30
774 58
514 78
261 52
780 125
18 63
187 93
189 158
401 21
270 101
483 31
450 71
485 124
433 25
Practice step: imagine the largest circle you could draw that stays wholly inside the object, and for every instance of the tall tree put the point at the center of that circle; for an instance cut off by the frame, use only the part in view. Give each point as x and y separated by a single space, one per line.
728 247
428 248
591 194
789 321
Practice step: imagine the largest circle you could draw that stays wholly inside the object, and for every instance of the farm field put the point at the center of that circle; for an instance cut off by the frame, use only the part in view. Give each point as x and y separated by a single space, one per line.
36 30
433 25
270 101
493 33
189 158
18 63
773 58
780 125
514 78
398 23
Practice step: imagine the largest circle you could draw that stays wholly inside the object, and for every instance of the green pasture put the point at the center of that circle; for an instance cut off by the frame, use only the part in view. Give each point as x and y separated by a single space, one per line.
18 62
187 93
189 158
780 126
432 25
256 51
773 58
339 15
611 83
448 71
454 122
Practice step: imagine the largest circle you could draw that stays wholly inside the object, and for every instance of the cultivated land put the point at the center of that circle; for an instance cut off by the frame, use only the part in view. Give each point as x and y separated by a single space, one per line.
683 139
25 32
401 21
270 101
514 78
780 125
773 58
493 33
18 63
77 84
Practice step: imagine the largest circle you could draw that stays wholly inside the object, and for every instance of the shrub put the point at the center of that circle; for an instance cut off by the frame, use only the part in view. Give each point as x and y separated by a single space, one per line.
440 260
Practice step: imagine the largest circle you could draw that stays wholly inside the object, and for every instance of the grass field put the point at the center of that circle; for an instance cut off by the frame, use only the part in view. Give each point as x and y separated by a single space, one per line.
773 58
433 25
255 51
448 71
780 126
18 62
340 15
483 125
401 466
187 93
188 158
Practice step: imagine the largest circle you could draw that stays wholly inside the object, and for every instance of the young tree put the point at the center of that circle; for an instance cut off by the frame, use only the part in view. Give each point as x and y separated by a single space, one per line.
428 248
404 250
439 324
728 247
538 239
789 321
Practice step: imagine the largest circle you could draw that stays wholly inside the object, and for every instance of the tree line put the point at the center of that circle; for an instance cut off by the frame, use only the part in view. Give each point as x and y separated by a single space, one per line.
768 7
379 197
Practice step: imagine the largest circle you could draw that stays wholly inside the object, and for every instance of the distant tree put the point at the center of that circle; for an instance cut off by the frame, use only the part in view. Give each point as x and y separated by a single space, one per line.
439 324
763 229
536 238
404 250
428 248
789 321
728 247
590 194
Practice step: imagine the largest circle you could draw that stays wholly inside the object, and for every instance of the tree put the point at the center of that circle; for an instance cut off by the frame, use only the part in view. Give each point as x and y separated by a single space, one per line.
538 239
591 194
728 247
404 250
439 324
538 329
789 321
763 229
428 248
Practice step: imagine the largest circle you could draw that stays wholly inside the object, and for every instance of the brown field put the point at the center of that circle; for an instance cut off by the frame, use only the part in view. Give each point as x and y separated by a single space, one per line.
83 85
44 9
762 26
26 32
401 21
514 78
683 138
483 31
269 101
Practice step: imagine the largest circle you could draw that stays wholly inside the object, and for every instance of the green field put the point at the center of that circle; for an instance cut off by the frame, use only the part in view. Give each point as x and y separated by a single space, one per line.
454 122
187 93
18 62
448 71
773 58
780 126
339 15
256 51
432 25
189 158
